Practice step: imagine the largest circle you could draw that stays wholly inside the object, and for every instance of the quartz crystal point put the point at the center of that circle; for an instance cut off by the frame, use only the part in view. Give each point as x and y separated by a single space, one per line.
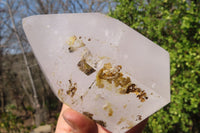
100 67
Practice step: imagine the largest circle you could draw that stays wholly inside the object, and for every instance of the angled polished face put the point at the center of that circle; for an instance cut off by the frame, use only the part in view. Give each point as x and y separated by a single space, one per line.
74 51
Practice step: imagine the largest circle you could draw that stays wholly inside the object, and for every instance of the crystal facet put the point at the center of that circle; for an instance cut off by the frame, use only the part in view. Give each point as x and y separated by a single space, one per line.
101 67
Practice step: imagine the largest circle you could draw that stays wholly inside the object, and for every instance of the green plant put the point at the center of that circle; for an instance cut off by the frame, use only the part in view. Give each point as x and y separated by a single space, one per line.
10 107
9 122
175 26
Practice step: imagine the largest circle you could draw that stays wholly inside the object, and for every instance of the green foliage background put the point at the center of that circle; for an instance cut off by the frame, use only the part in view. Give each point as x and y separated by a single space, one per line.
175 26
